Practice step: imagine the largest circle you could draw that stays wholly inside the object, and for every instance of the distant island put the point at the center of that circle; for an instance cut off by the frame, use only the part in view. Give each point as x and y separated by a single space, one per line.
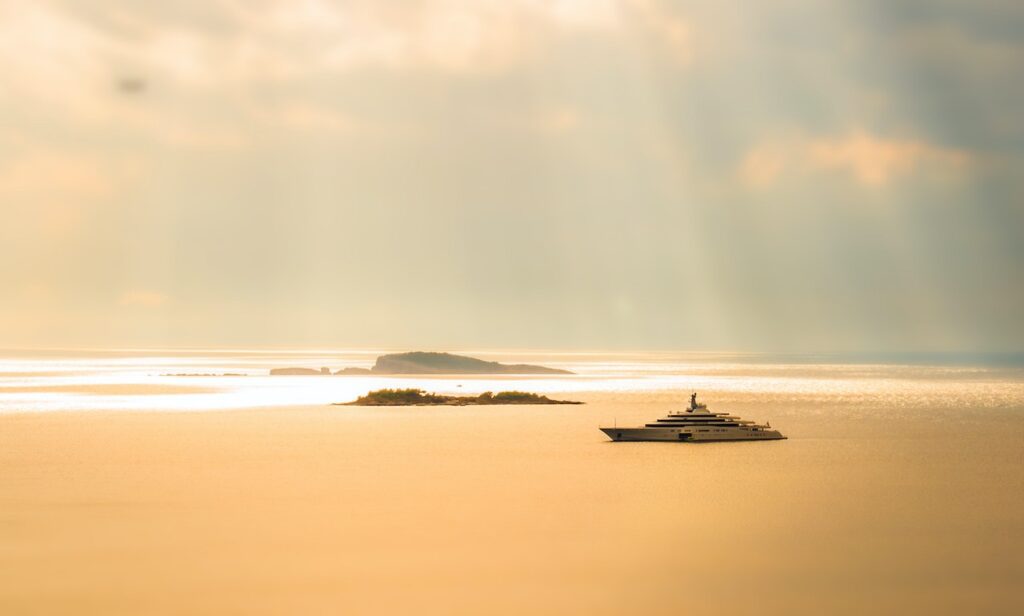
206 374
418 397
419 362
298 371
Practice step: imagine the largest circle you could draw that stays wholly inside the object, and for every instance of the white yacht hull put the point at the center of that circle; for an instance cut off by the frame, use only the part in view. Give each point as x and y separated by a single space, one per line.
690 435
697 424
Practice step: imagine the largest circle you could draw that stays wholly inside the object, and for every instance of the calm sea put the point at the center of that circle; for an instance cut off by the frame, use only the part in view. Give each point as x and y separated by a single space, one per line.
202 380
899 490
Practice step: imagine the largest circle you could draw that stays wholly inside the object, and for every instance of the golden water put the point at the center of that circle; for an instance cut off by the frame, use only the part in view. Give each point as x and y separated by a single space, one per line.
900 489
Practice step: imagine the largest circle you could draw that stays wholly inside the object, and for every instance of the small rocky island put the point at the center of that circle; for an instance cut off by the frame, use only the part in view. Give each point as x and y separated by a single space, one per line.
419 362
299 371
418 397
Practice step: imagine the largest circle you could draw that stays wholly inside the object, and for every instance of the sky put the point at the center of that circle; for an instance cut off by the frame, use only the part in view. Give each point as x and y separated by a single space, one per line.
563 174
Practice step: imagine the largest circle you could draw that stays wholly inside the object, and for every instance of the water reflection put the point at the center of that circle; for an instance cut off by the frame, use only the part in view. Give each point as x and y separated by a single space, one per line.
154 381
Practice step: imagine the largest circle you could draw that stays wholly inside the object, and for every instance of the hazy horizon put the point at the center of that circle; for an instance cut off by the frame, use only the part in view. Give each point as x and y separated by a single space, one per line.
923 358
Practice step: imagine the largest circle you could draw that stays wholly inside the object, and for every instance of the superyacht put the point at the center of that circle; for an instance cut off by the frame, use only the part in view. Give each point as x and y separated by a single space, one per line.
696 424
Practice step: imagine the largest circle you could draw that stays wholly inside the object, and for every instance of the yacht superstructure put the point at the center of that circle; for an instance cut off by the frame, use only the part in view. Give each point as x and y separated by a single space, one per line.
696 424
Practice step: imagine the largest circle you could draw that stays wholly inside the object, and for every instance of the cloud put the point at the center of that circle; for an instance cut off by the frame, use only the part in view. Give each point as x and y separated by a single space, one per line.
307 116
52 191
763 164
559 120
673 34
207 66
867 159
49 56
874 161
292 38
36 175
141 298
53 41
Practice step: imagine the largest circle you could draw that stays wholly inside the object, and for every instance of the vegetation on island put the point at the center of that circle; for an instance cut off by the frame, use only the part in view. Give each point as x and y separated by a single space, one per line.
418 397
